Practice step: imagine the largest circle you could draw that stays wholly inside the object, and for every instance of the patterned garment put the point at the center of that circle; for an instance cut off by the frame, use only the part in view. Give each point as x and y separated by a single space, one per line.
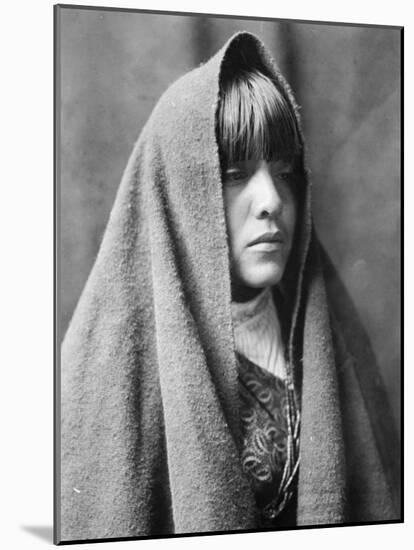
264 424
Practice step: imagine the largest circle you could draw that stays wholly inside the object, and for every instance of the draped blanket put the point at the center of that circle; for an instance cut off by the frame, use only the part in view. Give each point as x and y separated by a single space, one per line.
150 404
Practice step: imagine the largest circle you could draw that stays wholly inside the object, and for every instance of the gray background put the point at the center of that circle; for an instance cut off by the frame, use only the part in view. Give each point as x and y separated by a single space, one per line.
114 66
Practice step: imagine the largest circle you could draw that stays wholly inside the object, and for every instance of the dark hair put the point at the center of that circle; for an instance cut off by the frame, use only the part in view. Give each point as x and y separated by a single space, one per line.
256 120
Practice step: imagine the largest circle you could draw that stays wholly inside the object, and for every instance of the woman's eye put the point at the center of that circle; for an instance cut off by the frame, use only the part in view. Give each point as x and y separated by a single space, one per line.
235 176
285 176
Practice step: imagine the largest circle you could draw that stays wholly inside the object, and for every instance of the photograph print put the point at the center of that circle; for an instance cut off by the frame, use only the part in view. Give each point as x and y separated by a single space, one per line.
228 314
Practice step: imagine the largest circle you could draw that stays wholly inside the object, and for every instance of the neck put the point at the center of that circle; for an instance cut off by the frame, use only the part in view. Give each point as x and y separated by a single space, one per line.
241 293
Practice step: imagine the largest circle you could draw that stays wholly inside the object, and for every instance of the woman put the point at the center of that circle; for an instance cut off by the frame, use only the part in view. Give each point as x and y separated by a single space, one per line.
214 375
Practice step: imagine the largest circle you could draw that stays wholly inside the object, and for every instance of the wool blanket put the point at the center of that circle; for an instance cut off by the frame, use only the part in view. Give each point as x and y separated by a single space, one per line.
149 377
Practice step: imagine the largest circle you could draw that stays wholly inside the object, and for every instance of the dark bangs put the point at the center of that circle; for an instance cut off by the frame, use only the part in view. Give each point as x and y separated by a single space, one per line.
256 121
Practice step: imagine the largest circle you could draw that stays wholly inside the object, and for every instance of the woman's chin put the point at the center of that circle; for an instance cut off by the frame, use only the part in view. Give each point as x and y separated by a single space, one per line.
261 276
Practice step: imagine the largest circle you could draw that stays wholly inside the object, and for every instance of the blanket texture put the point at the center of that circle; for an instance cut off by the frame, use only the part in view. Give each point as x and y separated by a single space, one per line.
149 377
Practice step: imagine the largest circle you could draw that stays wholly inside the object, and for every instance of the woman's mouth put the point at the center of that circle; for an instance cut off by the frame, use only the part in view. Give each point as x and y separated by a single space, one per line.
267 246
267 242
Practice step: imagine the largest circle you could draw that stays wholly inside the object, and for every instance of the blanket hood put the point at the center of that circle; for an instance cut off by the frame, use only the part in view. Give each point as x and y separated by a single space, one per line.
149 383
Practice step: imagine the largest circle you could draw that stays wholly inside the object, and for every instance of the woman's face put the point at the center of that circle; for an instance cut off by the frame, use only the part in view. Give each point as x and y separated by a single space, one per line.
261 216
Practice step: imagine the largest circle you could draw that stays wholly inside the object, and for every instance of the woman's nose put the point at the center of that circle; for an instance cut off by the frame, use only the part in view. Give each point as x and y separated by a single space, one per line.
266 199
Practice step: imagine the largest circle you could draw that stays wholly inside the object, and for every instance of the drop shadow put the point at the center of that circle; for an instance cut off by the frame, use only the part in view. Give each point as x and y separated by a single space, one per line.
44 532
